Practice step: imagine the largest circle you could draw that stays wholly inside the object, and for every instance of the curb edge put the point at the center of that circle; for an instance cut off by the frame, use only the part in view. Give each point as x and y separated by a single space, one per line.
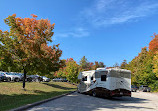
39 102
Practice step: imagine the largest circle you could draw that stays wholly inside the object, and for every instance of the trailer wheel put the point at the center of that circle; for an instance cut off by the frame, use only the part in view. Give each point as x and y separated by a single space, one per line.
94 94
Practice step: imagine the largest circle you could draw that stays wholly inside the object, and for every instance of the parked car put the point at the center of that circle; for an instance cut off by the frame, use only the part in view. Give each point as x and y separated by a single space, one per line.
28 78
60 80
65 80
3 77
11 76
19 75
57 80
15 76
144 88
45 79
134 88
34 78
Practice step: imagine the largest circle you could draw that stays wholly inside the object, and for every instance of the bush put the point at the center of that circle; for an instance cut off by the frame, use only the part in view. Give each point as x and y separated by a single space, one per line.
154 87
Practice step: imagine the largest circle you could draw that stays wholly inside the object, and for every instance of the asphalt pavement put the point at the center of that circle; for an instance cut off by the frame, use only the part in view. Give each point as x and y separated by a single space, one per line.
140 101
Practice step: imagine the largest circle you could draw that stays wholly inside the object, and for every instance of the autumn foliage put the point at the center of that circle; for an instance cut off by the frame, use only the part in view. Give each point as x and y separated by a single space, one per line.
71 69
26 44
144 67
153 45
32 35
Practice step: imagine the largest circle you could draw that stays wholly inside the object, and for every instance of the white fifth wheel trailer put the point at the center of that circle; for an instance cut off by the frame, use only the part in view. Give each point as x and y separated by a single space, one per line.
105 82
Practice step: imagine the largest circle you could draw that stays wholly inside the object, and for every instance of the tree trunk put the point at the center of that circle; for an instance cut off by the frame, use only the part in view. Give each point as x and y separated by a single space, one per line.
24 78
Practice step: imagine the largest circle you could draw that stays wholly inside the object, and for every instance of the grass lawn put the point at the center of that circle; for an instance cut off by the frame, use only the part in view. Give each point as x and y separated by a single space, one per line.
12 95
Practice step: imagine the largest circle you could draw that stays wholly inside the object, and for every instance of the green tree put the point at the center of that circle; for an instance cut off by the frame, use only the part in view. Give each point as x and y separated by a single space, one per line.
123 64
141 68
101 65
60 73
155 63
137 67
71 70
84 63
98 65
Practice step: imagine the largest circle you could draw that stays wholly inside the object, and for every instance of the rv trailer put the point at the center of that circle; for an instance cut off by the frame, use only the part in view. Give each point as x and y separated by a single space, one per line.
105 82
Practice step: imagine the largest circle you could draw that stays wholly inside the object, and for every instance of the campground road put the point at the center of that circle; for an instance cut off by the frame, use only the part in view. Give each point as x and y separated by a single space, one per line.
140 101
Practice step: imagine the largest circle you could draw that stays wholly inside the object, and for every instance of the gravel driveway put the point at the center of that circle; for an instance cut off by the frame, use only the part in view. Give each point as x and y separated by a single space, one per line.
140 101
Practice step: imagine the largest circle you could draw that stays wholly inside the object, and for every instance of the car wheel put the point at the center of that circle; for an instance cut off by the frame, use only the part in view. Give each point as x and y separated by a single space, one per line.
17 79
9 79
30 80
94 94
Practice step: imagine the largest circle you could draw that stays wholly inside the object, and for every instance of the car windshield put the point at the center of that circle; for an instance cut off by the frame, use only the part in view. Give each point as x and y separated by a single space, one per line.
7 73
18 74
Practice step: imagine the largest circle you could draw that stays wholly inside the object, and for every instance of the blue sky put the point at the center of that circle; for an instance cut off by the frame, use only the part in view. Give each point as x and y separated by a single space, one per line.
102 30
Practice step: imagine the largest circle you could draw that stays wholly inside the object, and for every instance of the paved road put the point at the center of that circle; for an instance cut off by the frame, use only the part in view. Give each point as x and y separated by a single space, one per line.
140 101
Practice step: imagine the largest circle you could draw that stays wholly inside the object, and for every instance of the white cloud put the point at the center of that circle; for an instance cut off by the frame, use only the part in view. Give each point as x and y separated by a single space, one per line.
76 32
108 12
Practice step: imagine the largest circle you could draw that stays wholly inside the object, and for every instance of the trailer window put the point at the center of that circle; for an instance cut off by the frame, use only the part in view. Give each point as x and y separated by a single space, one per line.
103 77
84 78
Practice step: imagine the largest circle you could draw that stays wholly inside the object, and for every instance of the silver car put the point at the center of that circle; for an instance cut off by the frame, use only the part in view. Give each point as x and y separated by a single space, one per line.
12 76
45 79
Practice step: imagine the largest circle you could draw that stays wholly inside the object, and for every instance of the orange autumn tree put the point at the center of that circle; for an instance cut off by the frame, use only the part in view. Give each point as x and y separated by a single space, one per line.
153 45
27 41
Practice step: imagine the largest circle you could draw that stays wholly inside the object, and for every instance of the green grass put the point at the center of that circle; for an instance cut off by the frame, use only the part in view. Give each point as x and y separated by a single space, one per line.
12 95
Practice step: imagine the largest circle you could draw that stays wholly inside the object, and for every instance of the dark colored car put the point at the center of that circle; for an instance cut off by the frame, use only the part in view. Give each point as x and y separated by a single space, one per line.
144 88
29 79
34 78
134 88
